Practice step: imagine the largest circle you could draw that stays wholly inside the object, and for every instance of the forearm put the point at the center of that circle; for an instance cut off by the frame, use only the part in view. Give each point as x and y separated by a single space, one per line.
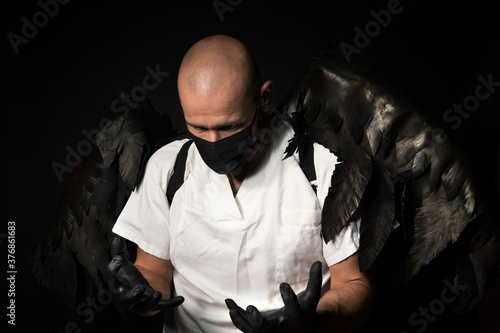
345 306
157 281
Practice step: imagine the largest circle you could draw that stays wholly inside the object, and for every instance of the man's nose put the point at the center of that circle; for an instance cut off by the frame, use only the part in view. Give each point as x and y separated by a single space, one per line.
214 136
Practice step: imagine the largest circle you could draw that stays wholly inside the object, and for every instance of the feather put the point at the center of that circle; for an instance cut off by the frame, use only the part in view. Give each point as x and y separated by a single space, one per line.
484 261
437 222
91 249
56 270
378 218
344 196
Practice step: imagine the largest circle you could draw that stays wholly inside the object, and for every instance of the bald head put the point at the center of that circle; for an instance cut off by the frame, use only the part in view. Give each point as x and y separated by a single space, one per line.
220 88
219 63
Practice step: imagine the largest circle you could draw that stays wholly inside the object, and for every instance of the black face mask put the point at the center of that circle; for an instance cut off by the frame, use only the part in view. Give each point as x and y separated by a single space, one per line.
227 155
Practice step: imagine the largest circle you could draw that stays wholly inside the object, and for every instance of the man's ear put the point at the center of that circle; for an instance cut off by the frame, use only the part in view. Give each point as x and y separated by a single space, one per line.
266 94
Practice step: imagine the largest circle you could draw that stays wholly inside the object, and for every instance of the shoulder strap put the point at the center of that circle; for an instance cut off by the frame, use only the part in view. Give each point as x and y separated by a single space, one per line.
177 178
303 144
306 157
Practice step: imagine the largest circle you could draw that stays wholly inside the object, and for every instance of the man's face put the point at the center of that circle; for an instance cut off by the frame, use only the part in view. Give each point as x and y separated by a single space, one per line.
225 122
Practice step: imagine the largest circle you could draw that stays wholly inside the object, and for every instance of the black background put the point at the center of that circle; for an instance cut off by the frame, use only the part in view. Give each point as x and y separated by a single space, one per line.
65 78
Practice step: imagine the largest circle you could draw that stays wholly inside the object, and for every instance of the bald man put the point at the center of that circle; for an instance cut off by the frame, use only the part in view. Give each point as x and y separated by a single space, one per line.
243 229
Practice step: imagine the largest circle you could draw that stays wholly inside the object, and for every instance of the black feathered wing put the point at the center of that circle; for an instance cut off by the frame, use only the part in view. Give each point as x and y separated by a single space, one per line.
71 256
396 168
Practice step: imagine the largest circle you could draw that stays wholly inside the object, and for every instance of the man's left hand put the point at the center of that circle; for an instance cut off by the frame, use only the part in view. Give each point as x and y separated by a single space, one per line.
298 315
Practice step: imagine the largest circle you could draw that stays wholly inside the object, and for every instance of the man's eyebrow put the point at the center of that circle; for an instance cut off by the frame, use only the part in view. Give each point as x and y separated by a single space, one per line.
218 127
195 126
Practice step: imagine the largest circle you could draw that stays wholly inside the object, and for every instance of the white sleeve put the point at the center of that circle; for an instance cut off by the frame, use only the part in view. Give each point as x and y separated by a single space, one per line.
146 216
346 243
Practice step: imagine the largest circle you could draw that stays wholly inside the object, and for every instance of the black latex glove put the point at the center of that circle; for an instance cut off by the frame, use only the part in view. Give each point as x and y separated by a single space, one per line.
298 315
131 290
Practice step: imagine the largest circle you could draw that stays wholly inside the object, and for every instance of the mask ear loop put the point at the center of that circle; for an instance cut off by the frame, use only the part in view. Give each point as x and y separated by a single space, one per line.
264 133
259 114
260 119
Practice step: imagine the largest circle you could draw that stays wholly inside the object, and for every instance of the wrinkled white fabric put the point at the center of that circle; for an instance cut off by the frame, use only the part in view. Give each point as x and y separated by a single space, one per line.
239 247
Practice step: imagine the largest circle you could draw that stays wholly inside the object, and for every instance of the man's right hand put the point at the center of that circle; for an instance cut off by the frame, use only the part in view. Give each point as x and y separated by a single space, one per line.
298 314
131 290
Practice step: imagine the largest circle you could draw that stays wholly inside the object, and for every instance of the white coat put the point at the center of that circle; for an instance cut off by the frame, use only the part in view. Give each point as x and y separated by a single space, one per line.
240 247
